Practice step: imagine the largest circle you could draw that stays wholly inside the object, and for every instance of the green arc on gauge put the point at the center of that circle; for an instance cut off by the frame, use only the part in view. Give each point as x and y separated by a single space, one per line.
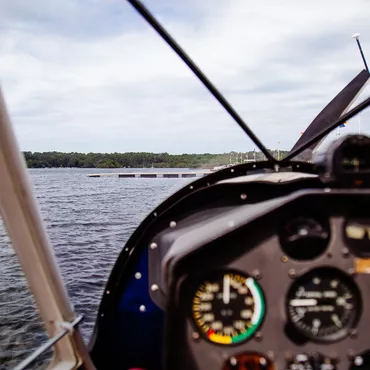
259 311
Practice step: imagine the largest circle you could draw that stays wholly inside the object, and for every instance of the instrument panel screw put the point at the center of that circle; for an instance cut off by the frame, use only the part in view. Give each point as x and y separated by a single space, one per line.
232 170
292 273
138 275
107 292
233 361
173 224
284 259
142 308
258 336
351 354
353 334
243 196
351 271
345 252
153 245
154 287
257 274
195 335
358 361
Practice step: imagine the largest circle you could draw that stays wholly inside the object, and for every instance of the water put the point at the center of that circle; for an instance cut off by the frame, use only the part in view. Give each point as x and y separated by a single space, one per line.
88 221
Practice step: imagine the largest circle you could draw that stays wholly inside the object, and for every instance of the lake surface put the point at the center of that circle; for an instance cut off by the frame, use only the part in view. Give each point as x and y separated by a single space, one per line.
88 221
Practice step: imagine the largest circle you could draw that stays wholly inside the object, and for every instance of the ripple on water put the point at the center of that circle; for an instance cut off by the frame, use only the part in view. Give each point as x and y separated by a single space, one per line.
88 221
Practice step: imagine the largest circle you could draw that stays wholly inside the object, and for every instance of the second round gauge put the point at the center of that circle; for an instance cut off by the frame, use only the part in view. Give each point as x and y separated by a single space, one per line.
324 304
228 307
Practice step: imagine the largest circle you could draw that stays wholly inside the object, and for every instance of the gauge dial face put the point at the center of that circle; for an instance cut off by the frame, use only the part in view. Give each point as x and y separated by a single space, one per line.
324 304
228 307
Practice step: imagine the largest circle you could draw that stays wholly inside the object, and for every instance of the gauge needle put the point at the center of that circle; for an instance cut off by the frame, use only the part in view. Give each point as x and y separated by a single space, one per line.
303 302
226 295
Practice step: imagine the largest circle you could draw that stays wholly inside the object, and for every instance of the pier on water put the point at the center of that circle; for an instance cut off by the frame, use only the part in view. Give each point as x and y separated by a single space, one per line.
152 175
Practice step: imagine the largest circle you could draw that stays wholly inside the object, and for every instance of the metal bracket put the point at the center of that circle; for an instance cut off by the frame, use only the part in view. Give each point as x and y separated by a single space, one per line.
67 328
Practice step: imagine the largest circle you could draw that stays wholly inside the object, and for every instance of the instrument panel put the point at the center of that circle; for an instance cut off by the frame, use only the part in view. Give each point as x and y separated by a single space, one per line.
293 297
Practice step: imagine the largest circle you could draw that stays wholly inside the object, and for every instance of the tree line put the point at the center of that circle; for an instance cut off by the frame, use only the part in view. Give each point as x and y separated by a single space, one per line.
139 159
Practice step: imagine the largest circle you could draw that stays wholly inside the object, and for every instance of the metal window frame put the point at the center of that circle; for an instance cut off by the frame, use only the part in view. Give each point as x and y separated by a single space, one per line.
22 218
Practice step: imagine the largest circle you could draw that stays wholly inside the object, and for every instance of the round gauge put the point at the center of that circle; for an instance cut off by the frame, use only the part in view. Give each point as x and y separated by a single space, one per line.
228 307
305 238
324 304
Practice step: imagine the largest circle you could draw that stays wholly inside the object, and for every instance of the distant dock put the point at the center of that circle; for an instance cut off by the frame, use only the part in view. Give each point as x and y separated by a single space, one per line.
152 175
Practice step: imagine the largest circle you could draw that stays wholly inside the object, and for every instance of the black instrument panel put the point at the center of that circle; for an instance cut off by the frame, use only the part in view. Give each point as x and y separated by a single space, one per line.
282 292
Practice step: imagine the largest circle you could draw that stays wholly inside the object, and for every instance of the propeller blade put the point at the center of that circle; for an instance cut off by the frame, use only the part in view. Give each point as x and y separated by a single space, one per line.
338 106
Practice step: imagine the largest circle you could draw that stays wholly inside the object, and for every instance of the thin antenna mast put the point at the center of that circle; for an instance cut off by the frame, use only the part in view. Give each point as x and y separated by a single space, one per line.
206 82
357 37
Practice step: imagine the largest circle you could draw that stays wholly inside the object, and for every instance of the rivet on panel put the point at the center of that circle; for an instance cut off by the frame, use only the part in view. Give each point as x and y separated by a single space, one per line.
233 361
153 245
142 308
195 335
107 292
257 274
345 252
292 273
351 271
358 361
138 275
243 196
258 336
284 259
155 214
351 354
173 224
271 355
232 170
154 287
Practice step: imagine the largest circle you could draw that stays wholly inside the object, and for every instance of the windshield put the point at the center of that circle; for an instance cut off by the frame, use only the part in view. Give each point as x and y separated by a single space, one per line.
92 89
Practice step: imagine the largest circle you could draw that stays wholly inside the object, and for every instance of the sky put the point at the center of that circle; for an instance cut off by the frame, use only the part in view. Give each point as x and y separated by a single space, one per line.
93 76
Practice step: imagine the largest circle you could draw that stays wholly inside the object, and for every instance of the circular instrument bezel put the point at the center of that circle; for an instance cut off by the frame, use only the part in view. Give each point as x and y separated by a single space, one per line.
326 272
306 246
258 296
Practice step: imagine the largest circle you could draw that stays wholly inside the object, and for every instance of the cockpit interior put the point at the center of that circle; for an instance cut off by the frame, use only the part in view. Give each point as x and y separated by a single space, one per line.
265 270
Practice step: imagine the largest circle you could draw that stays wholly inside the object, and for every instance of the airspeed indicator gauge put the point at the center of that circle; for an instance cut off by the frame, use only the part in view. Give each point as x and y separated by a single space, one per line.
228 307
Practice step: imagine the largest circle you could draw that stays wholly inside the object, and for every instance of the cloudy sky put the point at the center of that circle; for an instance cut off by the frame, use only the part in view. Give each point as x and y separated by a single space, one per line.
91 75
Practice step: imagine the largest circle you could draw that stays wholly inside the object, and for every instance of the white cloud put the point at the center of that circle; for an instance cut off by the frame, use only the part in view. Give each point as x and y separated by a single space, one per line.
99 85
